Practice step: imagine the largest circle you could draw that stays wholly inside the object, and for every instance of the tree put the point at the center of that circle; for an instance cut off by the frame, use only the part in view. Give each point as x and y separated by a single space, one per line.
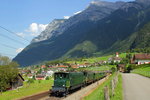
8 72
4 60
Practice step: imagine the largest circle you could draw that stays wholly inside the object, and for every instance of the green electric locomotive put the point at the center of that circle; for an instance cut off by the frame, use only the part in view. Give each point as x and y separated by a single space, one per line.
67 81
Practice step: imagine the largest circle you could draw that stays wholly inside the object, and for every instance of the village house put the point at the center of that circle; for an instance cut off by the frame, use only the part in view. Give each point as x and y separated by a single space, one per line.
74 66
81 65
102 62
40 77
30 76
115 59
50 73
43 66
62 66
141 59
18 82
23 72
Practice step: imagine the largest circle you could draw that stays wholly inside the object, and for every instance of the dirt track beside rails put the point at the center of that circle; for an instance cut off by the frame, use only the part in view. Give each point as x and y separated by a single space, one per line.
41 96
36 96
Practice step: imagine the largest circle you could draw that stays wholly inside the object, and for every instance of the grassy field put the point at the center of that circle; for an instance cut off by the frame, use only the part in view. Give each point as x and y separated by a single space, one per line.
101 68
26 90
98 94
144 70
97 59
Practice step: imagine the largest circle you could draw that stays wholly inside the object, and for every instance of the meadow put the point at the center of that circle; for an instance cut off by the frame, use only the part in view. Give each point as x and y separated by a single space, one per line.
27 89
143 70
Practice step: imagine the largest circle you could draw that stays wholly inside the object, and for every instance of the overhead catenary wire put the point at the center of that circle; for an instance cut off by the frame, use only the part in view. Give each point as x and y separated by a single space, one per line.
13 33
12 39
8 46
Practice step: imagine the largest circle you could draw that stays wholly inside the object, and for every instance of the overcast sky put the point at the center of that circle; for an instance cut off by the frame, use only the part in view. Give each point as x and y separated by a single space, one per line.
28 18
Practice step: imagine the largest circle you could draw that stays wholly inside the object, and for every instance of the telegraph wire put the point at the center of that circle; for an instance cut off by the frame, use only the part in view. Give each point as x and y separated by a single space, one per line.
8 46
3 54
13 33
12 39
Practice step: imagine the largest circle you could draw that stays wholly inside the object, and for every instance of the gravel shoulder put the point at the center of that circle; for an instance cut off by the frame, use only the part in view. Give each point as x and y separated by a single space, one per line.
136 87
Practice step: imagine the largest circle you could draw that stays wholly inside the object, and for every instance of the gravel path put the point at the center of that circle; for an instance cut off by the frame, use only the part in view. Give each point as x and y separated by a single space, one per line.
136 87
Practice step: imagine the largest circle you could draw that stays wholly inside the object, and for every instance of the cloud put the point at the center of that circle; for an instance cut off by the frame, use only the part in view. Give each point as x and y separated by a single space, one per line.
21 34
66 17
19 50
35 28
77 12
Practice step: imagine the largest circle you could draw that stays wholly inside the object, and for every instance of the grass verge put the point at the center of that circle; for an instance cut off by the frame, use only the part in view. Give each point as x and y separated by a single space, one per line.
26 90
98 94
144 71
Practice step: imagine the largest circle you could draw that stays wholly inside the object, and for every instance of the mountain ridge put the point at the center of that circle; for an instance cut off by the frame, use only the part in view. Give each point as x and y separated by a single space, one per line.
85 34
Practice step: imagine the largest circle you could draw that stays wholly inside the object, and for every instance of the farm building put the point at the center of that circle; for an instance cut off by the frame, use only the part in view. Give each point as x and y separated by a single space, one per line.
17 82
40 77
141 59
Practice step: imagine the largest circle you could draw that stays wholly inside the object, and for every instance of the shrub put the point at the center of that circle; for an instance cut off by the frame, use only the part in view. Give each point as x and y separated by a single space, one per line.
47 78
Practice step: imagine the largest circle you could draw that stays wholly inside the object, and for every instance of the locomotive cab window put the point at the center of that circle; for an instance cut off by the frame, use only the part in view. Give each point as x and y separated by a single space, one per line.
61 75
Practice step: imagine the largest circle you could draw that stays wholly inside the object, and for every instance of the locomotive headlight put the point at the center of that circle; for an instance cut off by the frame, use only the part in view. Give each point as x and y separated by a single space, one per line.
63 85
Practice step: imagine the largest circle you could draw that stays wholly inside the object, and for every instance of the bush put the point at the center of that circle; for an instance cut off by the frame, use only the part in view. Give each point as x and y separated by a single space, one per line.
47 78
30 80
113 69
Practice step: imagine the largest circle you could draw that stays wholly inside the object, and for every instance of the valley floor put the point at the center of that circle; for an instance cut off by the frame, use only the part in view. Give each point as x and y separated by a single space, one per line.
136 87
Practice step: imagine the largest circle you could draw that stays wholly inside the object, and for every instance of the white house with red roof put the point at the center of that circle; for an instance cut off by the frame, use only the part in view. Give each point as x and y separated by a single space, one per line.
141 59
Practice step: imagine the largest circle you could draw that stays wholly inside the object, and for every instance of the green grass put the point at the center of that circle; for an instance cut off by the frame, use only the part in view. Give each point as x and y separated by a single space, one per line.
27 90
144 70
98 94
118 94
99 68
97 59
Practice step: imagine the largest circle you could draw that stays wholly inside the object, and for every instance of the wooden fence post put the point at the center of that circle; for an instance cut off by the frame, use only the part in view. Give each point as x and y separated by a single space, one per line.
106 93
112 87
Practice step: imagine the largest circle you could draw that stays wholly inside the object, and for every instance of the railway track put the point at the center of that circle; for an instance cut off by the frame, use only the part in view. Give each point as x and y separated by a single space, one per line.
78 93
41 96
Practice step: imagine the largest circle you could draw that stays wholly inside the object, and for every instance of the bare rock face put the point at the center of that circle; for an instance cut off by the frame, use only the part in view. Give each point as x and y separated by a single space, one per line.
95 11
144 2
48 32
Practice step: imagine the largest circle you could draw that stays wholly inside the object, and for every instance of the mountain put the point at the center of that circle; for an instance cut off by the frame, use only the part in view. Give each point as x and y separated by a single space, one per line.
102 28
95 11
49 31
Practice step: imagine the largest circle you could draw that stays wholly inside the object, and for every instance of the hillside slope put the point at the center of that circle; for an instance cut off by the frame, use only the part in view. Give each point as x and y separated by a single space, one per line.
103 27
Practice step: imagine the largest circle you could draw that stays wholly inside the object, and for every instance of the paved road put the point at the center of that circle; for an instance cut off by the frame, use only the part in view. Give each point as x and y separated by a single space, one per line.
136 87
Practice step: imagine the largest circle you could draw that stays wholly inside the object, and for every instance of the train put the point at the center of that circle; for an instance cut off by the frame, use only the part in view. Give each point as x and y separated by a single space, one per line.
64 82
